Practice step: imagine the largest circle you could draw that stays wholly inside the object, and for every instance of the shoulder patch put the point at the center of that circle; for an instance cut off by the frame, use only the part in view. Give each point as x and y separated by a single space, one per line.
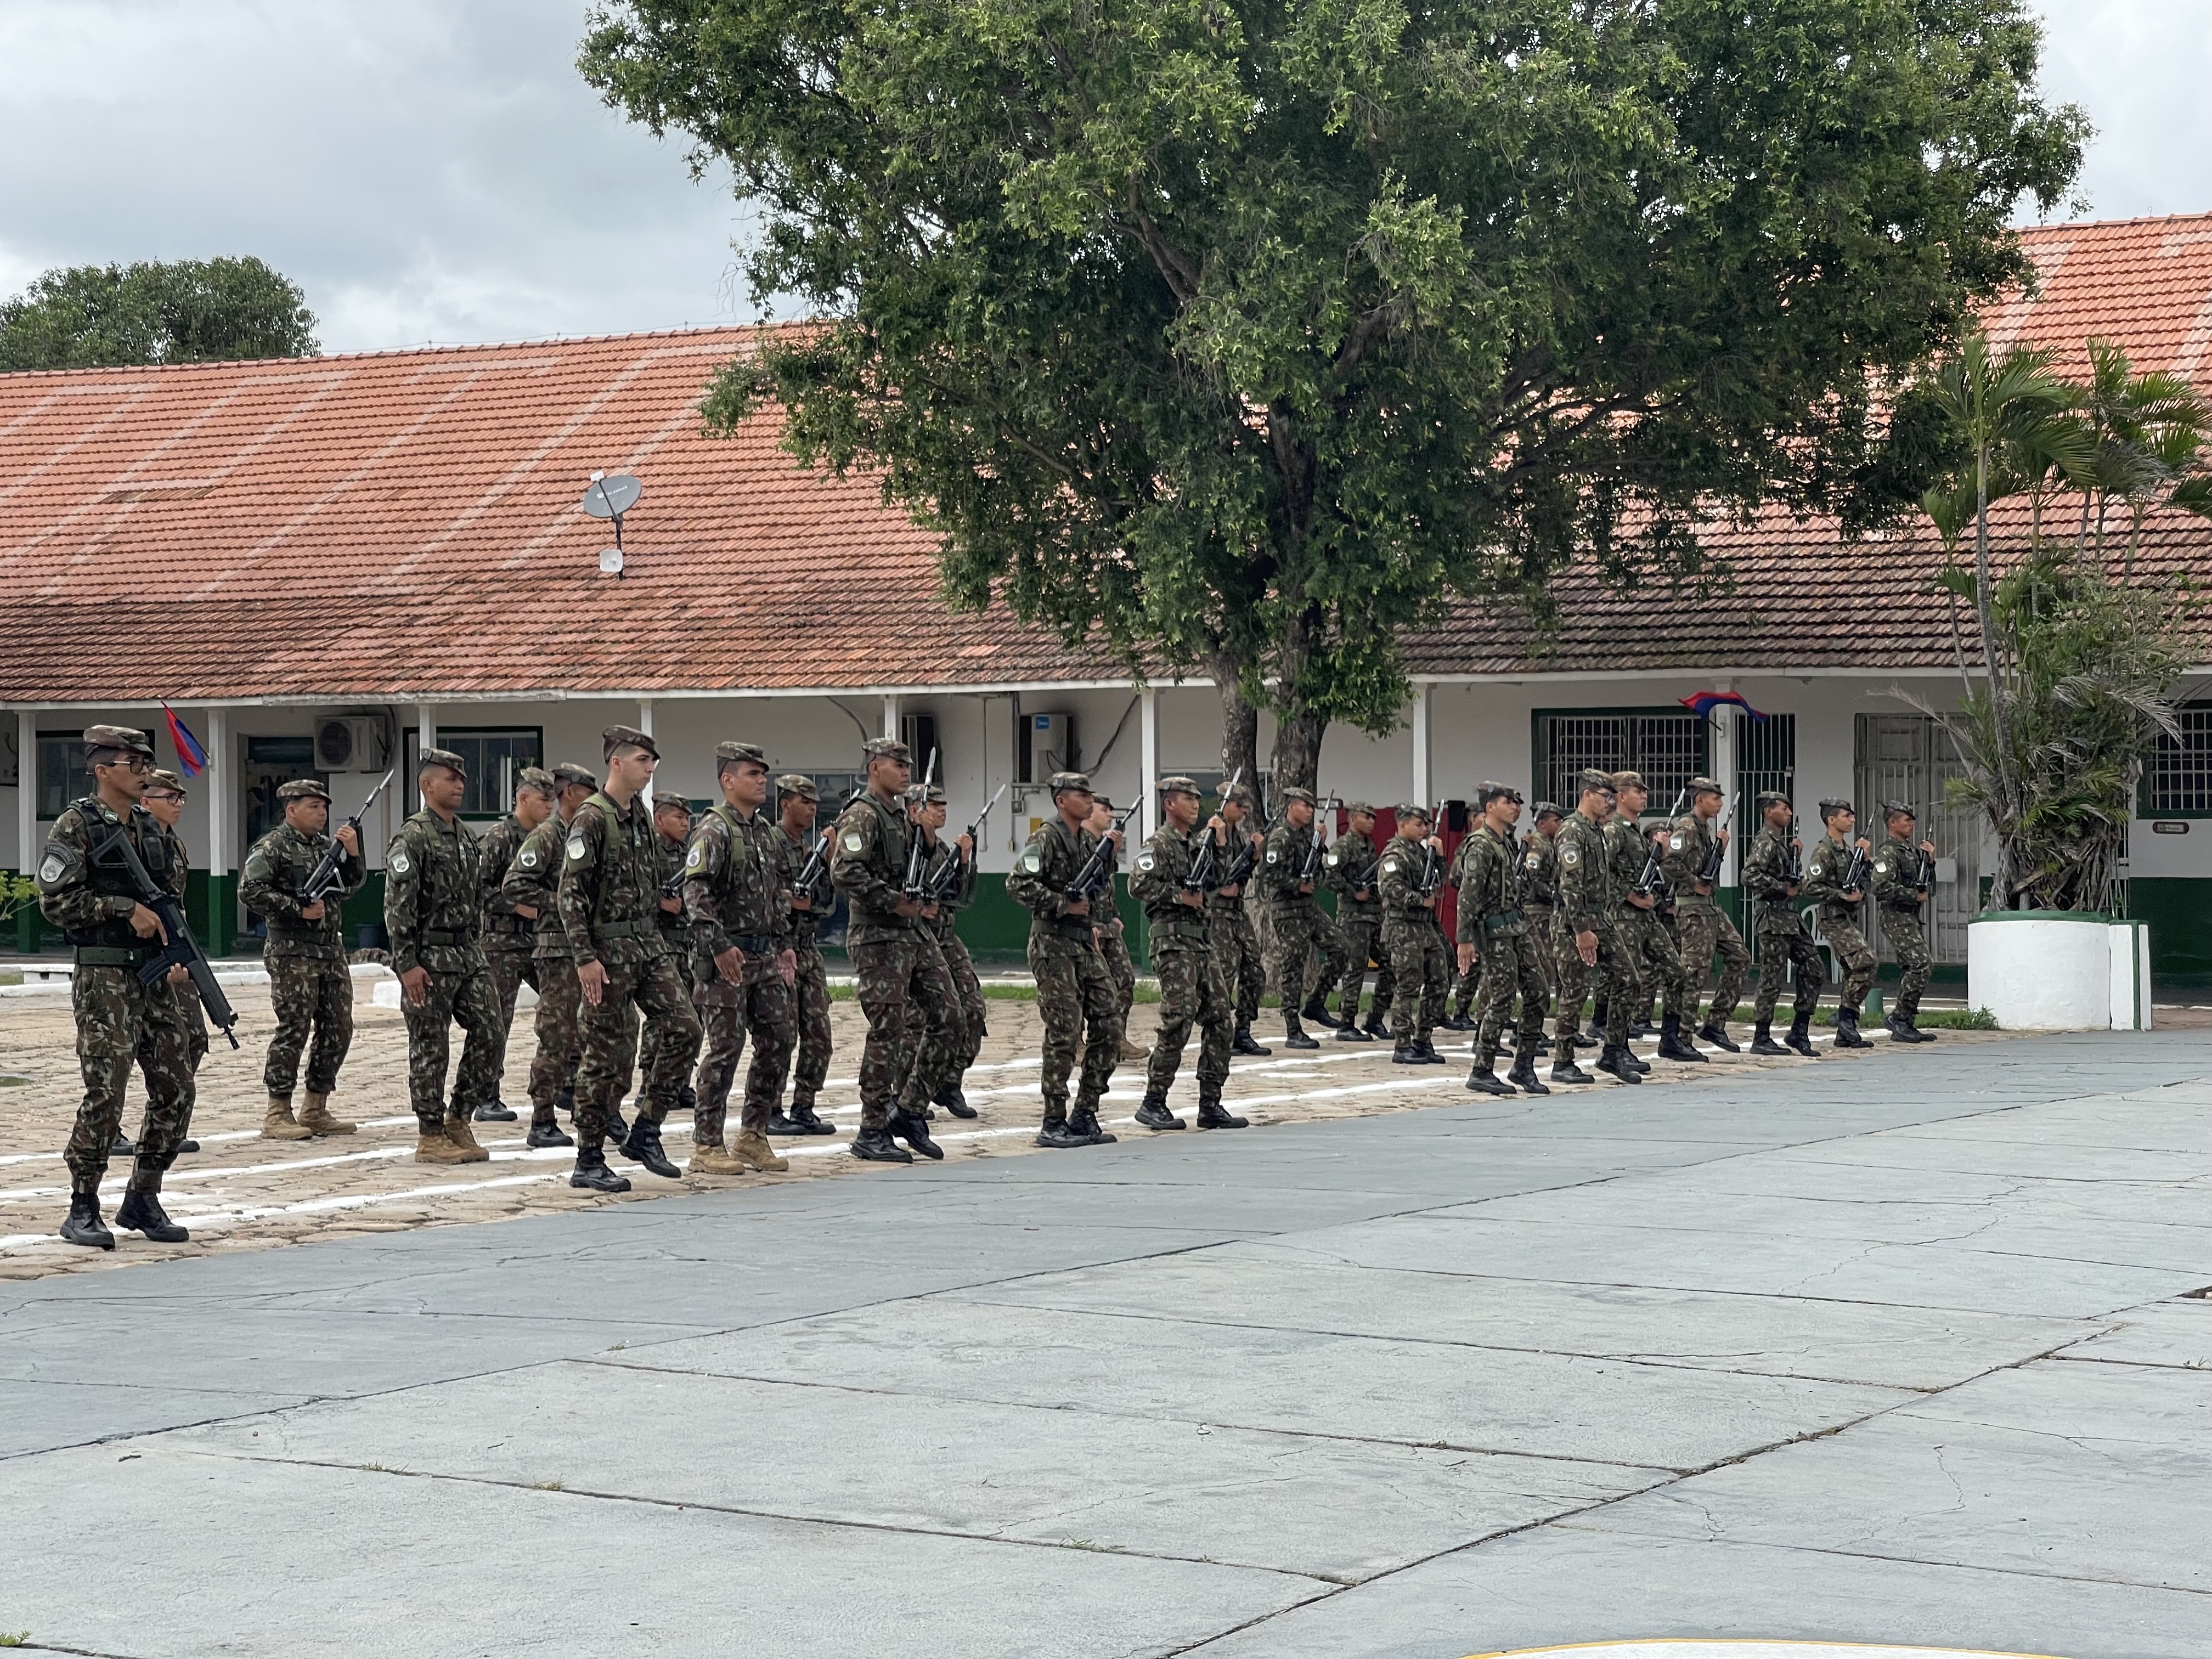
53 868
852 841
1275 855
1571 856
400 864
1390 866
1881 867
695 857
1674 840
1534 860
1329 858
1144 860
1032 860
577 847
527 857
1813 868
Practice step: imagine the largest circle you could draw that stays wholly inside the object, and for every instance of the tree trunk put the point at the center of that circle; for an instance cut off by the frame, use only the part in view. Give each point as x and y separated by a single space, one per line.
1240 722
2000 719
1297 749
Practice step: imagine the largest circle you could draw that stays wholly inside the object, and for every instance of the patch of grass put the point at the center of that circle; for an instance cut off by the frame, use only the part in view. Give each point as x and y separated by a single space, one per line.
1957 1019
14 1638
545 1485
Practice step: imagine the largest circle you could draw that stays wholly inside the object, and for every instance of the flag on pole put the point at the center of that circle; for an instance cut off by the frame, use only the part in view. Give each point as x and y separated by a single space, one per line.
188 752
1703 703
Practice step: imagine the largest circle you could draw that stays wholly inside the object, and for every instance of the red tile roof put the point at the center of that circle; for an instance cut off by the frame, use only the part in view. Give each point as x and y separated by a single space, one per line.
406 525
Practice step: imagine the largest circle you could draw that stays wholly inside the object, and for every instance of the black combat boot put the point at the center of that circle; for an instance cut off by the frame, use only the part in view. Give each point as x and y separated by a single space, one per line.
803 1113
1452 1021
1593 1035
1317 1011
1618 1062
188 1144
1800 1036
1671 1046
141 1212
1407 1052
1847 1030
546 1132
1294 1038
1347 1032
642 1145
1715 1031
1245 1044
496 1110
877 1146
1523 1074
687 1098
1483 1080
1154 1113
781 1123
1211 1114
1373 1025
908 1125
618 1130
1060 1132
1426 1047
1564 1069
122 1146
592 1173
1083 1120
1911 1022
954 1099
1762 1039
84 1225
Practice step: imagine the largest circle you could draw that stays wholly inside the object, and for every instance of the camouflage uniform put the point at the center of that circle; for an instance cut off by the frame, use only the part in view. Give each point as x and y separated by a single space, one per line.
1191 988
1490 918
1235 942
1825 870
1359 926
534 879
1898 892
901 971
959 966
1407 886
1302 927
1654 964
507 936
736 896
1588 902
1704 927
1540 897
1782 937
1076 996
430 917
609 901
119 1019
811 987
308 985
676 933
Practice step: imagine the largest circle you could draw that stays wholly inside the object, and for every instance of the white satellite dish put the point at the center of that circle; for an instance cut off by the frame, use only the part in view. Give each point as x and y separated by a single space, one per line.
609 496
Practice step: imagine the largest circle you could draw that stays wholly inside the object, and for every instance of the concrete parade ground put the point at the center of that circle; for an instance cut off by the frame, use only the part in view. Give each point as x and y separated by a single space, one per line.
1909 1346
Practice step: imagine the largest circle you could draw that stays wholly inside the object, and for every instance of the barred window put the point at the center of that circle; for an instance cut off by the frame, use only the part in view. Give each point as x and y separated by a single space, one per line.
1667 746
1766 758
2178 773
495 755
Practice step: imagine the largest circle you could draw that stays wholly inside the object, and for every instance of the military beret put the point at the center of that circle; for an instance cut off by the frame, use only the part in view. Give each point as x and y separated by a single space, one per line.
799 784
667 800
1294 793
1240 794
1830 808
925 795
445 758
166 778
1412 809
1898 809
887 749
535 777
1099 797
1489 792
1706 787
1627 780
1353 806
727 755
1064 781
1771 797
568 774
304 789
1593 779
626 737
1179 785
1546 809
128 738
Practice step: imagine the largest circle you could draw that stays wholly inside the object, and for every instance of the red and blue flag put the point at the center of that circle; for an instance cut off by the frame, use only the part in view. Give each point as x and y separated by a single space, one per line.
188 752
1704 702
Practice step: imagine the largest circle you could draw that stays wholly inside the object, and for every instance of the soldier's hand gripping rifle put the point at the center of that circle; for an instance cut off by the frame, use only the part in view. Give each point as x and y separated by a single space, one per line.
1097 875
181 949
817 860
1647 880
1718 856
944 881
917 856
325 876
1855 872
1926 880
1200 880
1310 871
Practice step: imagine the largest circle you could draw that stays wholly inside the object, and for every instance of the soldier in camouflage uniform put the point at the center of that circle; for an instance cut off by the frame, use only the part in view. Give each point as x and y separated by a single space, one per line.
1898 895
1653 956
508 934
304 952
610 902
165 799
1174 873
1704 927
86 889
901 971
1352 873
1235 943
431 917
812 898
1493 926
1076 997
950 871
1825 872
1113 942
1770 866
672 823
1290 874
532 889
1540 865
742 966
1586 940
1411 871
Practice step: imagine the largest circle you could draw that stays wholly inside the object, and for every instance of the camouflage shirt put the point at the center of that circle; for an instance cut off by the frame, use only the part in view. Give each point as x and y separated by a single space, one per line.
1540 866
1489 889
1824 869
1627 850
1406 882
534 879
430 897
1690 845
668 858
1897 877
736 893
276 874
92 901
1586 897
943 854
495 852
803 928
868 863
1283 863
610 882
1161 873
1351 857
1767 873
1039 882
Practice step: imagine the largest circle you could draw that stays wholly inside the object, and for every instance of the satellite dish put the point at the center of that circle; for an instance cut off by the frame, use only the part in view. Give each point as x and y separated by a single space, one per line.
610 562
611 497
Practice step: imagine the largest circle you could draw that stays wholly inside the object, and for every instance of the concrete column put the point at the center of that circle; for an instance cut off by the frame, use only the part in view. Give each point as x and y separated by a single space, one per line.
1421 690
645 715
891 709
222 807
27 818
1148 732
426 739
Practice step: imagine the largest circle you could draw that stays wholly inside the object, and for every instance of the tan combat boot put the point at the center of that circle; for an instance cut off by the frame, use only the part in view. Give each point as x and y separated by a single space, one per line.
752 1151
279 1124
315 1117
711 1158
435 1146
1132 1049
458 1131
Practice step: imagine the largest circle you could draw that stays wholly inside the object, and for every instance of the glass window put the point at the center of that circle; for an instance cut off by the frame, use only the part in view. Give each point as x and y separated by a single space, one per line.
62 775
494 756
2178 773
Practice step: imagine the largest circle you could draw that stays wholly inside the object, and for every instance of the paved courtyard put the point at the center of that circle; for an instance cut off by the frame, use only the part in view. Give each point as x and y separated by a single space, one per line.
1898 1348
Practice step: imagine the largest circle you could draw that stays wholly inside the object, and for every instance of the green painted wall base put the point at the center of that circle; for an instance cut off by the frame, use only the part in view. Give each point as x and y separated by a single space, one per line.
2179 912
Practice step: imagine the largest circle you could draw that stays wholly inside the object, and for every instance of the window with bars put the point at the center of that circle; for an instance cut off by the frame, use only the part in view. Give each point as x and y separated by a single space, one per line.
1667 746
2178 772
1766 758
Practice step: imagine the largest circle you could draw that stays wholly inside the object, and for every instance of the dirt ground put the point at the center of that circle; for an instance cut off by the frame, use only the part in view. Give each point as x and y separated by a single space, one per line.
240 1191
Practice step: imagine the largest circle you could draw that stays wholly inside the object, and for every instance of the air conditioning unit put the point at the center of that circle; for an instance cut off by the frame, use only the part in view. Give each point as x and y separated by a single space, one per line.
352 743
1047 746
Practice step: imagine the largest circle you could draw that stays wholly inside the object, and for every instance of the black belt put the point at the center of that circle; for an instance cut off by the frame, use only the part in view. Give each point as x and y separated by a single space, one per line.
509 925
111 955
1185 925
446 936
624 930
1420 913
756 944
1078 927
1491 924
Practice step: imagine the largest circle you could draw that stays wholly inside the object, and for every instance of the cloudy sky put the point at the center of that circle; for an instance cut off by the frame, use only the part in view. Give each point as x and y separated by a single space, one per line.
436 170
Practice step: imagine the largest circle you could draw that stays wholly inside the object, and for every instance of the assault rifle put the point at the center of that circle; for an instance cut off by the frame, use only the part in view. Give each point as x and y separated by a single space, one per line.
1200 879
1855 872
325 876
1310 871
1926 881
917 852
1098 876
1647 880
181 949
810 873
1718 856
944 880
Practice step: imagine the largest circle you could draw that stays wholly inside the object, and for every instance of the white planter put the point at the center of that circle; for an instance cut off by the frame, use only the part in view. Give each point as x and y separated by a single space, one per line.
2052 970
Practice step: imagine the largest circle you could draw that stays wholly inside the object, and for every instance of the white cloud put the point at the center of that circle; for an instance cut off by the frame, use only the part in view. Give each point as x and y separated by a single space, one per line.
434 171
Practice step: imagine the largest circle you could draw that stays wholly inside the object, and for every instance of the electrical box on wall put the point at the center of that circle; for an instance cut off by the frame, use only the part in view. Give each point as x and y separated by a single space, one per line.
1047 746
919 733
352 743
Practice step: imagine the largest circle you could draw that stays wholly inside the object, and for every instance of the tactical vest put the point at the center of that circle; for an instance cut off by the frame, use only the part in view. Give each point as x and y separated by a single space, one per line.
624 909
110 877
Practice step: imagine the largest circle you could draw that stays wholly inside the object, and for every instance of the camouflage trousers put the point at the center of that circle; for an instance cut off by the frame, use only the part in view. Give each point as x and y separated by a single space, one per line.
763 1007
309 995
1909 939
1507 966
1612 977
465 998
1657 961
1114 951
1080 1006
810 997
904 985
121 1023
559 1029
1359 935
1301 932
1852 953
1420 966
967 994
1703 931
1778 950
1236 948
655 986
508 957
1191 993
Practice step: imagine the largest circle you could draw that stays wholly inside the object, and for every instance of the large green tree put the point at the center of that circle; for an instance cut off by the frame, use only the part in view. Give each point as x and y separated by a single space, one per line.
184 311
1242 334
